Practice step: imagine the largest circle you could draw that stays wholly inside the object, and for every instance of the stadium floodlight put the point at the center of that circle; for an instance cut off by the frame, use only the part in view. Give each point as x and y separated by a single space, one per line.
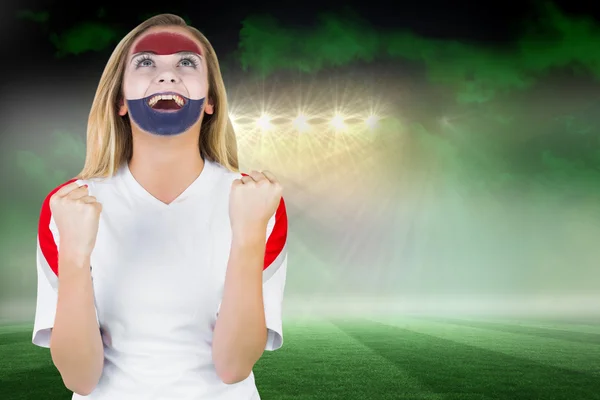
301 123
264 122
337 122
371 121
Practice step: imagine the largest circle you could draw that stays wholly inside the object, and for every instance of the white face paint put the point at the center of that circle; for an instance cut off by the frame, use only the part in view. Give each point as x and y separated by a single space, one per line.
148 74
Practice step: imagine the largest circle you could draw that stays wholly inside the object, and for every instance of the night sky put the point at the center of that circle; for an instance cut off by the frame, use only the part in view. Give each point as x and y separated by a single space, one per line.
490 23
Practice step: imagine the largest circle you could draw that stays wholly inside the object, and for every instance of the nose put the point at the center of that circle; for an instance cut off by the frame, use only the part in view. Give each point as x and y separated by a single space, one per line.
167 77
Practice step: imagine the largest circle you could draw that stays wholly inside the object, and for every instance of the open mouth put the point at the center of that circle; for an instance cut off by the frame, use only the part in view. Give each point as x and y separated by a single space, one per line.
166 102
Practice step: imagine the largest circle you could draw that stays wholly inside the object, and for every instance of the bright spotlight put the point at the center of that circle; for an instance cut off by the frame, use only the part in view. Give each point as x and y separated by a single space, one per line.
301 123
264 122
338 122
372 121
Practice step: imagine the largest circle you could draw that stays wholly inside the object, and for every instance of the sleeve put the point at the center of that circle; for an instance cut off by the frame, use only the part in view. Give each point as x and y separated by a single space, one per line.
47 274
274 276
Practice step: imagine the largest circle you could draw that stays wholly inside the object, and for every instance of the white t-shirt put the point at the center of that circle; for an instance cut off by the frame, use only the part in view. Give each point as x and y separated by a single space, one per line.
158 275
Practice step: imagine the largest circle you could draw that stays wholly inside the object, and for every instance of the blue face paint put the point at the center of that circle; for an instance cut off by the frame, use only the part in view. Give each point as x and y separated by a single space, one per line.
165 123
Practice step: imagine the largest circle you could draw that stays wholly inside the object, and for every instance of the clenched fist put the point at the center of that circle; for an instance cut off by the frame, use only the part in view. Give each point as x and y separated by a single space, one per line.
76 215
253 201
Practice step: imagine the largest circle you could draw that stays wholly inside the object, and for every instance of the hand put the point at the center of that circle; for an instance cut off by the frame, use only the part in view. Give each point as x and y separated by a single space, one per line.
76 215
253 201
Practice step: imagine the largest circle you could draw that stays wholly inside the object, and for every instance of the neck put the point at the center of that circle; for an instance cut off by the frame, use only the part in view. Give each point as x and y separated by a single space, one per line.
165 166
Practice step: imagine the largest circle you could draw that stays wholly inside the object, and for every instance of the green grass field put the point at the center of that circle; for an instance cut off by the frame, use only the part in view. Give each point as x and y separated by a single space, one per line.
414 357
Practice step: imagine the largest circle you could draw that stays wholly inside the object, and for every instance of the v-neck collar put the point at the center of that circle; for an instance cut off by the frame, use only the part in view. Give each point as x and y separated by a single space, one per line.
198 186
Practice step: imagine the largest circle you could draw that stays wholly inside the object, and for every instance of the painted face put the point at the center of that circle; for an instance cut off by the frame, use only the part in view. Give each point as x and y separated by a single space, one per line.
165 83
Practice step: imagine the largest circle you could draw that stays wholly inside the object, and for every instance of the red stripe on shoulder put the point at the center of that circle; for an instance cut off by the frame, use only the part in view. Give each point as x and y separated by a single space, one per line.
278 237
45 237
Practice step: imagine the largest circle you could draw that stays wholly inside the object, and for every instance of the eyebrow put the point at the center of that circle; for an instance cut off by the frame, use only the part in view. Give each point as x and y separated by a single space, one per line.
155 53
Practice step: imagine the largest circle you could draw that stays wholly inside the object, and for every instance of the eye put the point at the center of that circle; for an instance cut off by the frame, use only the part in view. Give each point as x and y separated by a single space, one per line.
189 61
144 61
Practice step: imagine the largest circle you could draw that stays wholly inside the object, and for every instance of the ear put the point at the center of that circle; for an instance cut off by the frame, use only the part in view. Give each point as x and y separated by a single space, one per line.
209 108
122 107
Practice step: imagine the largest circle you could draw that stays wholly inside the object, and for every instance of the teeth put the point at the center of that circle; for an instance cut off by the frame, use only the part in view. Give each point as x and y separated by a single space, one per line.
154 99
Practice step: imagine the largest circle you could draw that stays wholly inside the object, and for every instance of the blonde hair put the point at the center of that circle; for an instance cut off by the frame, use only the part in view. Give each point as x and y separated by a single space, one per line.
109 141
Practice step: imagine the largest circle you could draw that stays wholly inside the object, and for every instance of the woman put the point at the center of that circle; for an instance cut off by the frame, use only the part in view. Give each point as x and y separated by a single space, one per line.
166 287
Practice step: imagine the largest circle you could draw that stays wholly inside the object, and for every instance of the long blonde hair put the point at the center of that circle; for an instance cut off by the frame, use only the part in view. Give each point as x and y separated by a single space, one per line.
109 141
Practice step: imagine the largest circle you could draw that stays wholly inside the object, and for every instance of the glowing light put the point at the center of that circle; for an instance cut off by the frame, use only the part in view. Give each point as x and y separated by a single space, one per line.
264 122
232 119
372 121
301 123
337 122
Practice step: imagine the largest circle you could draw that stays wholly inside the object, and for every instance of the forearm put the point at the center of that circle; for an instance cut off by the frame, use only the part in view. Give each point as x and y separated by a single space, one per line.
76 344
240 333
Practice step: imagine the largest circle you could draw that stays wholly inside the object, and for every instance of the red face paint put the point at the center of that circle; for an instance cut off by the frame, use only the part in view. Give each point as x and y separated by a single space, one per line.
165 43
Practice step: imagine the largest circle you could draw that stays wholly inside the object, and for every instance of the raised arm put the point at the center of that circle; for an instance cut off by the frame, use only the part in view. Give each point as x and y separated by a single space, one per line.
66 316
249 316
